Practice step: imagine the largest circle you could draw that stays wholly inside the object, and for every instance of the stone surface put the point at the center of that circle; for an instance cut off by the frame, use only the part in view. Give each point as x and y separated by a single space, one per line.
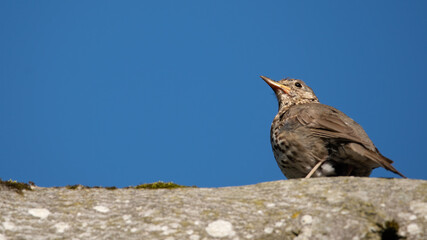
319 208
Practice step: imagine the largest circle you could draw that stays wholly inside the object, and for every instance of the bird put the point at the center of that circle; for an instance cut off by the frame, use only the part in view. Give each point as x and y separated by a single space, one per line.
311 139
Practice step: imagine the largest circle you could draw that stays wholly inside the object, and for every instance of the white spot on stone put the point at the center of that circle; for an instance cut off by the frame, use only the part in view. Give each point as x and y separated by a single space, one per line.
220 228
102 209
350 223
175 225
170 238
167 231
419 207
270 205
132 230
189 232
153 227
413 229
361 194
260 212
382 205
306 219
268 230
9 226
279 224
196 223
39 212
148 213
344 212
194 237
127 218
61 227
334 197
335 209
412 217
404 215
355 238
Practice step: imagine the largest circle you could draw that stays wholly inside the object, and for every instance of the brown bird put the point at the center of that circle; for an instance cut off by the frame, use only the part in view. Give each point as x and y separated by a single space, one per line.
310 139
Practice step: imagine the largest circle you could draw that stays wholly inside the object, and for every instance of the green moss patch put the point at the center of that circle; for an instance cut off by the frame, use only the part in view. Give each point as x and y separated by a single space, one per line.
160 185
78 186
155 185
14 185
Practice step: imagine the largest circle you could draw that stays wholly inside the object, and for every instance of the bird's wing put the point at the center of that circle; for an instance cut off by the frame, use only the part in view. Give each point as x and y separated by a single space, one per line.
327 122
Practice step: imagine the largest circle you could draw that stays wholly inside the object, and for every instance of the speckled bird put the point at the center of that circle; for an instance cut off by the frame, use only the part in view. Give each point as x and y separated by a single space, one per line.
310 139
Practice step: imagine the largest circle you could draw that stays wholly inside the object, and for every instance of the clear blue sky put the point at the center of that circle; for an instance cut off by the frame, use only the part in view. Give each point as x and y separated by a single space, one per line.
128 92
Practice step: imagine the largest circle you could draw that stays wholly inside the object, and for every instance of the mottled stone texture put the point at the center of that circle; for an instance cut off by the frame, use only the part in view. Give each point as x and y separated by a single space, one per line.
319 208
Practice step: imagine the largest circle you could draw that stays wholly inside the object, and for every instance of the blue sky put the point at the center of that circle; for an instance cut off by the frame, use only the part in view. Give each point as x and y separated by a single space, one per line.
128 92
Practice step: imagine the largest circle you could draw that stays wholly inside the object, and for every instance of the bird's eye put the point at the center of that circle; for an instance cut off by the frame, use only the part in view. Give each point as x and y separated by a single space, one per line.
298 85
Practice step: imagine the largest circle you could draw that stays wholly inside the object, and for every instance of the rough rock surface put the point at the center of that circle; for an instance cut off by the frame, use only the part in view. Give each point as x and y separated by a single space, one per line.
320 208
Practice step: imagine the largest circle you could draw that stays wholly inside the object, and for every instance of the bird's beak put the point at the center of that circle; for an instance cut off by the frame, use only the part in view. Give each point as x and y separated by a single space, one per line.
275 85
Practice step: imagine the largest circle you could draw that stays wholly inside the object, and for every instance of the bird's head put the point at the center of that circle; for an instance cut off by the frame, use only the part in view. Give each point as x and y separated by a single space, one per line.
291 92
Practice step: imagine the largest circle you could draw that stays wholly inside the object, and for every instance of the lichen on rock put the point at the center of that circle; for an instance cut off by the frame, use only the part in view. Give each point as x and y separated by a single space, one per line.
318 208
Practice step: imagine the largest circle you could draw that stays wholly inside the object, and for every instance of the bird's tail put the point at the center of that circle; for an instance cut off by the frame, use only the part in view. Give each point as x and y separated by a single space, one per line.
376 157
386 163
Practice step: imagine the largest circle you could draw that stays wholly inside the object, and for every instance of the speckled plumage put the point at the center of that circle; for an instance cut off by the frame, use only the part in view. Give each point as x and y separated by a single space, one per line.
310 139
